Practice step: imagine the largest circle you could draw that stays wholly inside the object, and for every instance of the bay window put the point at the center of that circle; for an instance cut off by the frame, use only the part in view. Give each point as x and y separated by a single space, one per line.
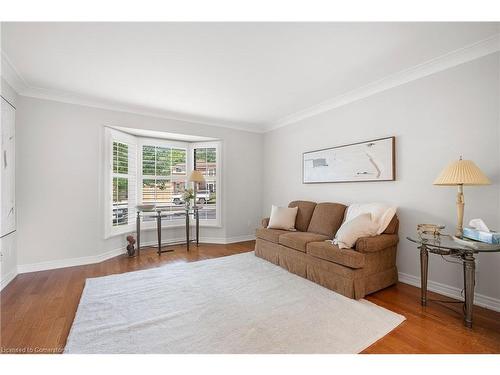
161 178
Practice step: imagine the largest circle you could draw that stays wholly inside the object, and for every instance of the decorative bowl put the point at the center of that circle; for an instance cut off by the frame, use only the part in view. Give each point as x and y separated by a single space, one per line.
430 229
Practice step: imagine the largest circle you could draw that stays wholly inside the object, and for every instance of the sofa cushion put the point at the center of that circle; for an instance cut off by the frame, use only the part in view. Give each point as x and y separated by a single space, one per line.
299 240
304 214
271 235
327 218
328 251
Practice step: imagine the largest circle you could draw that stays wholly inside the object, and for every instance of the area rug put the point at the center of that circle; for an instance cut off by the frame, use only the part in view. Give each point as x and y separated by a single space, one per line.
233 304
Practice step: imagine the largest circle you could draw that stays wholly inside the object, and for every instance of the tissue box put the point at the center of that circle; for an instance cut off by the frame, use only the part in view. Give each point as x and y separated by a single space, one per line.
482 236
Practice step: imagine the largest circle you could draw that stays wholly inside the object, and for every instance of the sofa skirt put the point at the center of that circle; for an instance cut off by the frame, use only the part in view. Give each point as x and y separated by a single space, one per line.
352 283
293 261
267 250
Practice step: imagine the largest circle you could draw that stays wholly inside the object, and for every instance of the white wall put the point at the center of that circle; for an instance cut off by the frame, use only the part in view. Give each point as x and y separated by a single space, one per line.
435 119
59 181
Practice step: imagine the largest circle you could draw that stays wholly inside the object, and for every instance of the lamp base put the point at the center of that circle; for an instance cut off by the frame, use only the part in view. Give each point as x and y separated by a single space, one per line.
460 212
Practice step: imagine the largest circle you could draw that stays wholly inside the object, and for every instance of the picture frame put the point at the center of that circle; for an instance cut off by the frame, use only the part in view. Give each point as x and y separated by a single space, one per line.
367 161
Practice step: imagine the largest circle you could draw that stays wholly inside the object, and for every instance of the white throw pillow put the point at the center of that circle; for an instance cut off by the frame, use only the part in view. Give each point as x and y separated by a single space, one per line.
361 226
381 214
283 218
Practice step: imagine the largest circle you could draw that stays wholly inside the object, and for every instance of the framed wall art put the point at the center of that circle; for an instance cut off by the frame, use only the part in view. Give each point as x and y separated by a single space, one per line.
372 160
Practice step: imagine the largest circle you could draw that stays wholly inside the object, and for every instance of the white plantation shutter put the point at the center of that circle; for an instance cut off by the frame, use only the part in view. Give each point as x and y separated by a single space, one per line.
206 159
121 181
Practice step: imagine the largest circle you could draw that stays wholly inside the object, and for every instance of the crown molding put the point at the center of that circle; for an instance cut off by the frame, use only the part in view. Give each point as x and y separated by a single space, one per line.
460 56
11 75
71 98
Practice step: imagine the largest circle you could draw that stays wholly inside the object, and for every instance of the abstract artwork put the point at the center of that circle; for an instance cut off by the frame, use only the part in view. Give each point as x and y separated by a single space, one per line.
365 161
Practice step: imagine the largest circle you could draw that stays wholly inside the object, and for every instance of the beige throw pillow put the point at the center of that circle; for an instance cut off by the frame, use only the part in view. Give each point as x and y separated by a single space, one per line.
283 218
361 226
382 214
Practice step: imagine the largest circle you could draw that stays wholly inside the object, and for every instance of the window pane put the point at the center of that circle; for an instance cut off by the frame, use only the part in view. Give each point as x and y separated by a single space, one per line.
211 155
176 204
148 191
211 162
178 190
207 198
120 157
166 194
205 161
148 160
200 157
163 192
178 162
163 161
120 201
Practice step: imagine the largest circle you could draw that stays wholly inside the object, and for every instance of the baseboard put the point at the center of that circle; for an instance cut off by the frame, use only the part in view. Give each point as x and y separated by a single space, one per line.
450 291
212 240
8 278
72 262
250 237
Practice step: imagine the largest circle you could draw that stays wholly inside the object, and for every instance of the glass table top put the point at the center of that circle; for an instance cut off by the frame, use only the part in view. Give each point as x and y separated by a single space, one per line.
166 208
446 241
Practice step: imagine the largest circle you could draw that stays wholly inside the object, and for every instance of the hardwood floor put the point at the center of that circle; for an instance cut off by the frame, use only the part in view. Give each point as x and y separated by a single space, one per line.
37 309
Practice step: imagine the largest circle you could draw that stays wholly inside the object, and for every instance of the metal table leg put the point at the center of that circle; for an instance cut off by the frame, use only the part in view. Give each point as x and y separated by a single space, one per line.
424 265
187 230
138 230
469 281
158 230
197 213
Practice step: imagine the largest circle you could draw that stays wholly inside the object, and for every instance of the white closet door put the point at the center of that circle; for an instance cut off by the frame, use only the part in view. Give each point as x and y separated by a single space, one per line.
7 168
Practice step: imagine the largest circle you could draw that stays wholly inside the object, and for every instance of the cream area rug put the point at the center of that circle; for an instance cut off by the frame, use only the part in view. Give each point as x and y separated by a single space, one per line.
234 304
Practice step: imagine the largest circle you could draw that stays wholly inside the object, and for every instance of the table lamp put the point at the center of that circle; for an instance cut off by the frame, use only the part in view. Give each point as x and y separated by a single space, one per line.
196 177
460 173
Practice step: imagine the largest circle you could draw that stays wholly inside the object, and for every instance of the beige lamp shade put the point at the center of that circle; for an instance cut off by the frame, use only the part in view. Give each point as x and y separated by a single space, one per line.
462 172
196 176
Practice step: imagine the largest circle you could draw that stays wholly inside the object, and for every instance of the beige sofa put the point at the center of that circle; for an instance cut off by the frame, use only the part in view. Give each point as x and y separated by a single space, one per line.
368 267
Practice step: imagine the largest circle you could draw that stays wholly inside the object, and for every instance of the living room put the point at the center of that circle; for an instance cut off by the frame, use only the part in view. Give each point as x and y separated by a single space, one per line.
250 187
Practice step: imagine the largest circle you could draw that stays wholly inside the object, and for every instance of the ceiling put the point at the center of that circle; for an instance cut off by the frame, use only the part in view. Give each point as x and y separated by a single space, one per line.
246 75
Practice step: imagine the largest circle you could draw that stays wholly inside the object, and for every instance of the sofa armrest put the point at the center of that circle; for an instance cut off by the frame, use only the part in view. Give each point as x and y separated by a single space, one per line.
376 243
265 222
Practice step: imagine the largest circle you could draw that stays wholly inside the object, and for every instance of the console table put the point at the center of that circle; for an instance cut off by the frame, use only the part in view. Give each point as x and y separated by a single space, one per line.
447 245
159 213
